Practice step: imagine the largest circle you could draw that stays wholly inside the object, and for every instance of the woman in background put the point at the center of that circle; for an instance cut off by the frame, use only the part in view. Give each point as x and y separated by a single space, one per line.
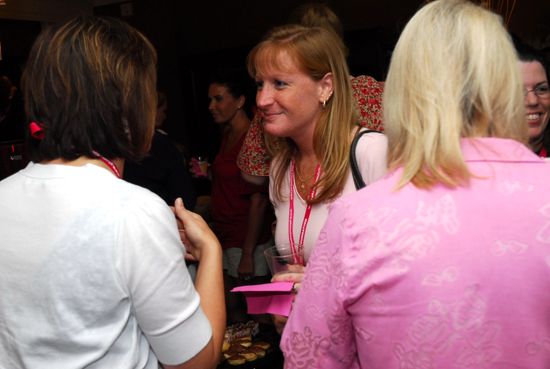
240 210
163 170
537 98
444 262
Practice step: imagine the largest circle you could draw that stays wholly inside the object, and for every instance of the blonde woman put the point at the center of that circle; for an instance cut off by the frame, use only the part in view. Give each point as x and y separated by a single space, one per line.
444 262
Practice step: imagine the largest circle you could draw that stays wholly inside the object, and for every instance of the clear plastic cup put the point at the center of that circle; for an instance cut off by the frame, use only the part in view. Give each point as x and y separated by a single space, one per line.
283 259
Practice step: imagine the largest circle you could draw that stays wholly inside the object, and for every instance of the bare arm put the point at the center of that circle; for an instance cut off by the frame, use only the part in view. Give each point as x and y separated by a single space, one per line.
255 180
256 218
205 247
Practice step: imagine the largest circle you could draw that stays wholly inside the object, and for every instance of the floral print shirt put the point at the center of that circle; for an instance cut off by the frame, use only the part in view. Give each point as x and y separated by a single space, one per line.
440 278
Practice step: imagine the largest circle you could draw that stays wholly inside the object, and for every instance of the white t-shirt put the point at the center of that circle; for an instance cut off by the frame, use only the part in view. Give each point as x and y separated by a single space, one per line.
371 154
92 274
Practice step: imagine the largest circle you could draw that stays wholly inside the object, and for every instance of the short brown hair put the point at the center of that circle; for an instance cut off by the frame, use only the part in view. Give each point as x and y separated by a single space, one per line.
91 83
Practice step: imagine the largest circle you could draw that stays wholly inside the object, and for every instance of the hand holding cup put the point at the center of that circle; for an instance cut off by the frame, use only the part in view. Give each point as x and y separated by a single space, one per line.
285 265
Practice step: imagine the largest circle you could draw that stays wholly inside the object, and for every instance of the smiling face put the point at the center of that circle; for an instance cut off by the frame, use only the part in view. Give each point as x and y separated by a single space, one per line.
537 108
289 99
223 106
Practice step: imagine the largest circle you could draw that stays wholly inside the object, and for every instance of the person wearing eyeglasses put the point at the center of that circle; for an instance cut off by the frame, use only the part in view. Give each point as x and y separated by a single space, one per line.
537 98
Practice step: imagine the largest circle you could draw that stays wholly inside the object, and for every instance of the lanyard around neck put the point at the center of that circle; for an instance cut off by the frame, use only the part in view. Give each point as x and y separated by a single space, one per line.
297 249
108 163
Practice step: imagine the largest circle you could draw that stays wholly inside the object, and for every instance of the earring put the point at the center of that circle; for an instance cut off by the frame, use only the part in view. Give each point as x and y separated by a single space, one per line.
324 103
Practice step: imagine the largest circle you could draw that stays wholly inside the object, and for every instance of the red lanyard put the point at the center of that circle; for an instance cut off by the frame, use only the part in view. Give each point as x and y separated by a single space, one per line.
543 153
297 250
108 163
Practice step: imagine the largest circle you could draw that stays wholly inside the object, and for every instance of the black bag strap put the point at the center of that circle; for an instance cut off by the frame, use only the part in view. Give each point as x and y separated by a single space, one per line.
357 178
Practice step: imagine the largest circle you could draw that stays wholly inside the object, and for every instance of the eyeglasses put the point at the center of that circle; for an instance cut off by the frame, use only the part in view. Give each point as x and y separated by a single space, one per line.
541 91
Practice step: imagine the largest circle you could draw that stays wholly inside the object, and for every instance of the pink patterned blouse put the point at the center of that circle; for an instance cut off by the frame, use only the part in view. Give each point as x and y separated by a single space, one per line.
417 279
254 159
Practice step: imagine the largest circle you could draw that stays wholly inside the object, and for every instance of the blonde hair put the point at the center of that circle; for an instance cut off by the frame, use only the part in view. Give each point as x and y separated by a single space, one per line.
316 51
453 74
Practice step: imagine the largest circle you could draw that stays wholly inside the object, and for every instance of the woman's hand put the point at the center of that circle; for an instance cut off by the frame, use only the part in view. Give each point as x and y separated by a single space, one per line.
294 274
194 232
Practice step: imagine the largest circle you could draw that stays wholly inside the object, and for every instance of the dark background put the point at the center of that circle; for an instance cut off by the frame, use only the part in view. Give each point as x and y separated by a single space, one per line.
194 38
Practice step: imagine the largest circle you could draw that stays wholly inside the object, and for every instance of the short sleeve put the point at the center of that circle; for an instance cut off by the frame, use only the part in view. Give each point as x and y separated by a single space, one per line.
152 269
371 153
253 159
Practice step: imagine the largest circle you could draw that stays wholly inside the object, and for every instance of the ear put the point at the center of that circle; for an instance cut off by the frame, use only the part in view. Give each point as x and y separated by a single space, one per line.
240 101
326 87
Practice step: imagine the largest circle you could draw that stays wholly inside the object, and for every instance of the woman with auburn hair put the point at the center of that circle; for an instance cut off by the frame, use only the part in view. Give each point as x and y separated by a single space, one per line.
306 103
444 262
254 159
92 271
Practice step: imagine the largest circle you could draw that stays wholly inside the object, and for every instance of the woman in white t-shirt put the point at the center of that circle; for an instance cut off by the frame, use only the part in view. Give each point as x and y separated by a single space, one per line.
92 271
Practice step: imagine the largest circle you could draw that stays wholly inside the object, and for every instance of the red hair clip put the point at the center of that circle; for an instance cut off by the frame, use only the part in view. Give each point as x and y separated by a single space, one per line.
37 130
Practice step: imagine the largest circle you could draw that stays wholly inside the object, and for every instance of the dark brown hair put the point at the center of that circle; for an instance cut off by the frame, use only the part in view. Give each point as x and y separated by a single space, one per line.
91 83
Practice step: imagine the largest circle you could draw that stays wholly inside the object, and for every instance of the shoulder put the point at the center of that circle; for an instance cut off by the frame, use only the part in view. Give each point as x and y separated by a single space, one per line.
130 198
367 87
368 95
364 81
371 142
161 139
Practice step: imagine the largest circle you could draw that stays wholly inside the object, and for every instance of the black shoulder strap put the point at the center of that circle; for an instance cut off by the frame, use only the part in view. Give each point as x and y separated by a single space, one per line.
357 178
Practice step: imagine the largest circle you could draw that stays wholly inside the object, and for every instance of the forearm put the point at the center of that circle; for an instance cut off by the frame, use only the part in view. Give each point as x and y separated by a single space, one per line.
256 218
201 244
209 285
254 179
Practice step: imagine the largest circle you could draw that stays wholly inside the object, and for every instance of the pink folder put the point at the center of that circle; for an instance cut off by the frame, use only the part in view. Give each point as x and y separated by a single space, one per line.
271 298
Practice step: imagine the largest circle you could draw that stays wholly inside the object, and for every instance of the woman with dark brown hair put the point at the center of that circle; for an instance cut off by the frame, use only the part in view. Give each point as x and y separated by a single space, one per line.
92 272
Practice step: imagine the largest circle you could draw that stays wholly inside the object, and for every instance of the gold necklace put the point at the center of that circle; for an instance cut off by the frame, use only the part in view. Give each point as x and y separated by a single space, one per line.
301 181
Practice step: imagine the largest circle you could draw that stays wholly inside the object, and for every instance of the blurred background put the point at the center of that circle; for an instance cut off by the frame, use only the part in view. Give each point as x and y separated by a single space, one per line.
195 37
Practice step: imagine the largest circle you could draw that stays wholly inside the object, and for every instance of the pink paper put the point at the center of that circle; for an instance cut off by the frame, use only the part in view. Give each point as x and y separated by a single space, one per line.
271 298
